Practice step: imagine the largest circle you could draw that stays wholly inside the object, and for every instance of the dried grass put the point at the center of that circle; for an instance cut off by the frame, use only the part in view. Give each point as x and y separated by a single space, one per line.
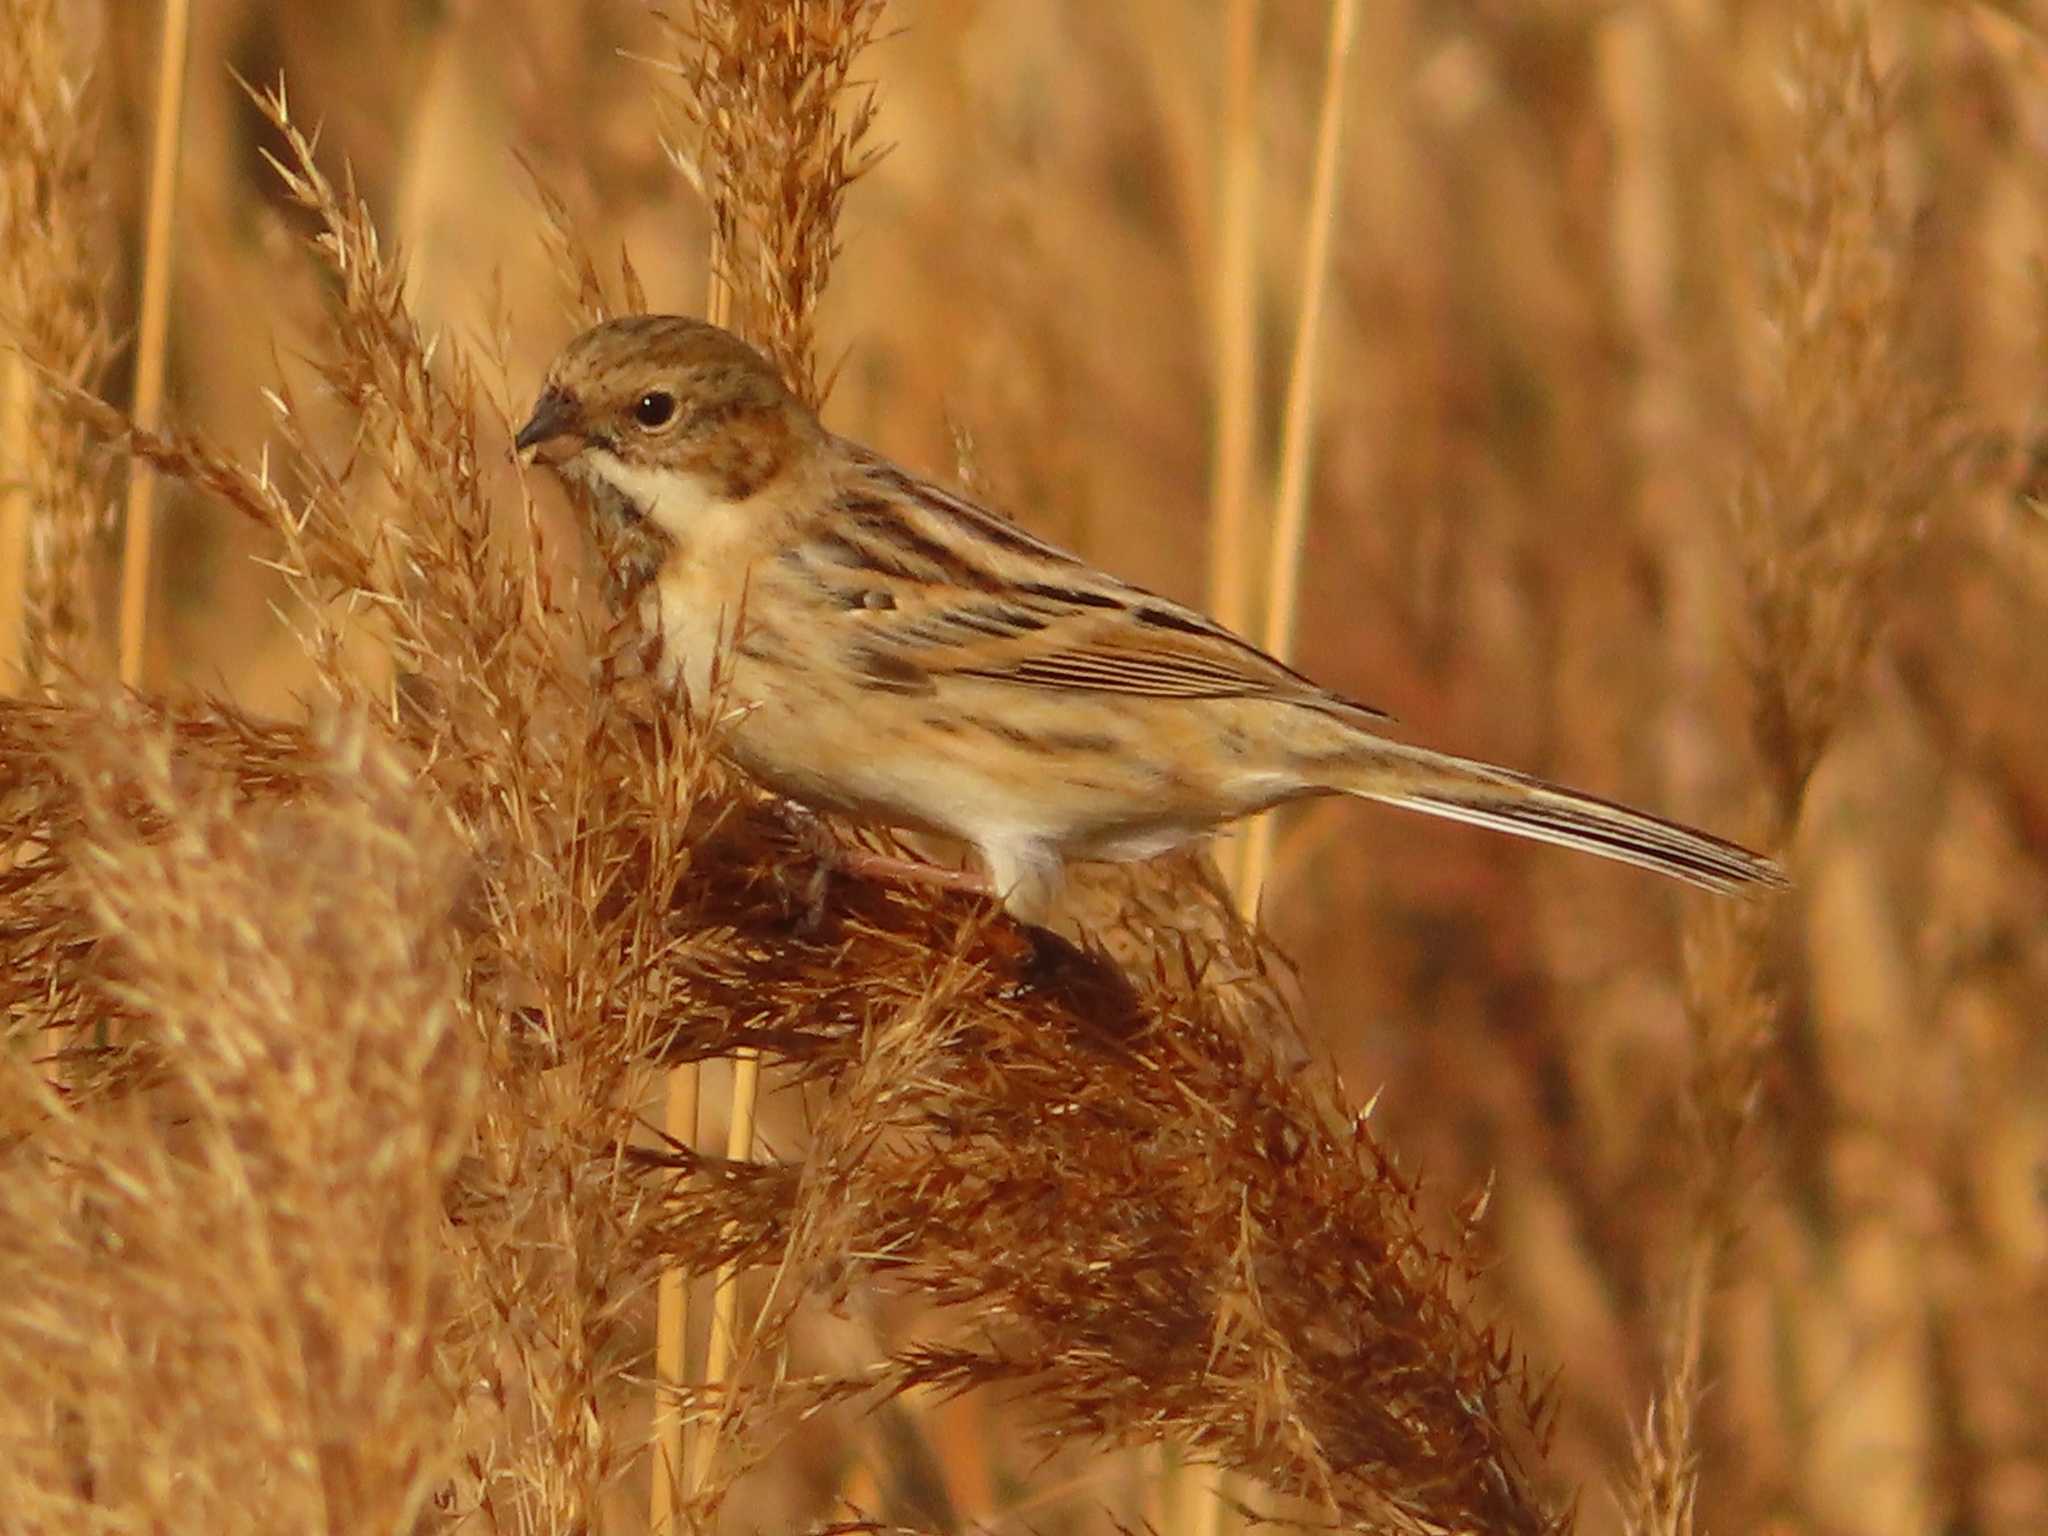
1849 459
52 499
1850 462
228 1300
1767 1210
1236 1263
776 127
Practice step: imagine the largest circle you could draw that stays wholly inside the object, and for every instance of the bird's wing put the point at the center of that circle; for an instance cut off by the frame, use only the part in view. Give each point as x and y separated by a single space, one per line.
923 584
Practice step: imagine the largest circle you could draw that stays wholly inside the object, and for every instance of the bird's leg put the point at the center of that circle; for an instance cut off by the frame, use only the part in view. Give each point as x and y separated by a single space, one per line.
902 871
817 838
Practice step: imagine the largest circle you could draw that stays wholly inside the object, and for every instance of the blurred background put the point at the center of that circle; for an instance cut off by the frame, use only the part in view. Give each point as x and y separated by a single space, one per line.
1545 373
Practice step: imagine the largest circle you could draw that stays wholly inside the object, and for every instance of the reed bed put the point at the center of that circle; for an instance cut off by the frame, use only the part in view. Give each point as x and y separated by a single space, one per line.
1676 431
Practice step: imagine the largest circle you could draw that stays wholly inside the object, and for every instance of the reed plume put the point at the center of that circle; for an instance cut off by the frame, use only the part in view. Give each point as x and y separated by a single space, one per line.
53 495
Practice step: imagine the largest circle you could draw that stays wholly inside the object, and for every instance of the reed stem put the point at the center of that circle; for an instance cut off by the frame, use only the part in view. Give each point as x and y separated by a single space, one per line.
1237 324
16 444
152 327
668 1443
1297 439
719 1347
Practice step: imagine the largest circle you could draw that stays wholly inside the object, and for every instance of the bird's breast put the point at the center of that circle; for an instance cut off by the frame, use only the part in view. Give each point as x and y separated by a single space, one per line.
704 593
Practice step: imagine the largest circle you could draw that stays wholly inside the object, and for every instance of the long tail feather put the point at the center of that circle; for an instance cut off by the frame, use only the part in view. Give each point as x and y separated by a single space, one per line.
1486 796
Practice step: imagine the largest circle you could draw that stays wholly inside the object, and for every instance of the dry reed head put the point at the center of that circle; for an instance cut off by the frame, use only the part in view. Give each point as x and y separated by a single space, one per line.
775 128
1852 458
227 1301
53 504
1848 461
1130 1209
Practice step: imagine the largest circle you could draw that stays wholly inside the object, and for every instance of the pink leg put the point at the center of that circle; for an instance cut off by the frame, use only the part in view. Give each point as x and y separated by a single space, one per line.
831 853
883 866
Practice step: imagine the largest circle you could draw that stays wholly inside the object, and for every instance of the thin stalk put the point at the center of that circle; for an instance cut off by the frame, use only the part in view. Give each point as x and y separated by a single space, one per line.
717 292
668 1447
151 329
1232 553
677 1472
723 1346
720 1347
16 444
1213 1484
1290 502
1237 323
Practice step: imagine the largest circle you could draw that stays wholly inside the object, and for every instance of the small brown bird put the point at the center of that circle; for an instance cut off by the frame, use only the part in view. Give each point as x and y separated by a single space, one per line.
897 653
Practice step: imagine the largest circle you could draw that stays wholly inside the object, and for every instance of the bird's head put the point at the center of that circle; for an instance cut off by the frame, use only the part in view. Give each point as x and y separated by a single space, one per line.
661 415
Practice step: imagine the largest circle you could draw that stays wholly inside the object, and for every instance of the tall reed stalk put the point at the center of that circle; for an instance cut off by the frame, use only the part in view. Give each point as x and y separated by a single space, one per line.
679 1466
1233 466
1235 295
17 442
681 1462
1234 554
152 327
778 124
668 1452
1297 434
722 1342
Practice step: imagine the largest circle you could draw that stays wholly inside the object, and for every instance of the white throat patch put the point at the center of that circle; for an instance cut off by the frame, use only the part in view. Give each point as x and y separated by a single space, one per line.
674 502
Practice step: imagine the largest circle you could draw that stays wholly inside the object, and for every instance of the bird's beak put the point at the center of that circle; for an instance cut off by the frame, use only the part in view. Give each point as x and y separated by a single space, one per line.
551 433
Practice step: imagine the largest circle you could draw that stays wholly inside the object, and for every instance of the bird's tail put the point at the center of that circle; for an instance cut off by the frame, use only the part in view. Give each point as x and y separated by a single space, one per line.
1463 790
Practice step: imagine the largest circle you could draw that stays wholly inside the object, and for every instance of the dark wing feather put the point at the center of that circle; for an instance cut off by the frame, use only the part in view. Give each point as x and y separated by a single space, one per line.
924 581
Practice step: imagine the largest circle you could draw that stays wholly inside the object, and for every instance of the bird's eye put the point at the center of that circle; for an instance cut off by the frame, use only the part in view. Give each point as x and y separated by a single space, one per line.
656 408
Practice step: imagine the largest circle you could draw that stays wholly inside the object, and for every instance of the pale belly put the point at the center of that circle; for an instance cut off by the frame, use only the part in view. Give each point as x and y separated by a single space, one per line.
973 763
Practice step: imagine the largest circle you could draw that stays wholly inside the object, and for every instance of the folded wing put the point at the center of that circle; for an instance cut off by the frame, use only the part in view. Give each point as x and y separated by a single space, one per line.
925 583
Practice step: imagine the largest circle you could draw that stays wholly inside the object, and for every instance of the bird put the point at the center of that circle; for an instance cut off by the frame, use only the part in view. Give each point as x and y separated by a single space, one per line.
898 653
